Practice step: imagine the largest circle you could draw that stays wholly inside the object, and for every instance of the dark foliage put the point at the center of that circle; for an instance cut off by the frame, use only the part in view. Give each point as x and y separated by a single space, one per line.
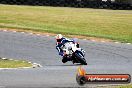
71 3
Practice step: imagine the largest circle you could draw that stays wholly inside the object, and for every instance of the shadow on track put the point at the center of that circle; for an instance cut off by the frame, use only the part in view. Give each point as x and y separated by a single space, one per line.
65 65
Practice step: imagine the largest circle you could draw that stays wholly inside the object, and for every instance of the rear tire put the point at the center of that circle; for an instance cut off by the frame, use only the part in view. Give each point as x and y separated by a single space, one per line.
64 60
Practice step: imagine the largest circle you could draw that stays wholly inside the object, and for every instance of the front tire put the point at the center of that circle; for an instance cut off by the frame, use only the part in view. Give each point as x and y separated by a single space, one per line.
81 59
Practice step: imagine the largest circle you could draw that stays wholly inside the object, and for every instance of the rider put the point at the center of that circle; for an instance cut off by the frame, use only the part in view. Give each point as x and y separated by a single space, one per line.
60 42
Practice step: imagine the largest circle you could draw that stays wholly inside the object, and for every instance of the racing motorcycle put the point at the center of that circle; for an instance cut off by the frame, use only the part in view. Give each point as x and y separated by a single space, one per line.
74 54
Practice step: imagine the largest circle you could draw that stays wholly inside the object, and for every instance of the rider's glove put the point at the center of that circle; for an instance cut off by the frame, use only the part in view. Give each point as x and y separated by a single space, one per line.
61 53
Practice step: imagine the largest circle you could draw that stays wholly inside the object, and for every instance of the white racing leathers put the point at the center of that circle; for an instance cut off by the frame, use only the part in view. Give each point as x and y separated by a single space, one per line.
76 54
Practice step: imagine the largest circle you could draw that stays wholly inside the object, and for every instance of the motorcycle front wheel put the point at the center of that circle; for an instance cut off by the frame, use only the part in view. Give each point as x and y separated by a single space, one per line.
81 59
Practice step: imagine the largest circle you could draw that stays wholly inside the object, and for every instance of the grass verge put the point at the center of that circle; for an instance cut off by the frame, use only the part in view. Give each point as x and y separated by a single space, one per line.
14 63
125 86
111 24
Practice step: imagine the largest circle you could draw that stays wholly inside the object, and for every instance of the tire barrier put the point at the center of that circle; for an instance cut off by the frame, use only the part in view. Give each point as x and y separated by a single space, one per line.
71 3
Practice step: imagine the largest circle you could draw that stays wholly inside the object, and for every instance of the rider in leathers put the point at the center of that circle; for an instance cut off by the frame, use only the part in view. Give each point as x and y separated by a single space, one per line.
60 43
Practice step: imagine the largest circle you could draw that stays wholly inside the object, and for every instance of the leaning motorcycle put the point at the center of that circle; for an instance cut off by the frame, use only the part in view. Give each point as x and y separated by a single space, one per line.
74 54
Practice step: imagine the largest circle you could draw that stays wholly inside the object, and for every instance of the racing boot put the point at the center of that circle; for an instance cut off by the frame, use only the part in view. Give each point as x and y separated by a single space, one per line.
64 60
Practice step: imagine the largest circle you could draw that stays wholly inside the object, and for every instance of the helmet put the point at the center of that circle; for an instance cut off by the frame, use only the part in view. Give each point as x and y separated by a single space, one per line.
59 37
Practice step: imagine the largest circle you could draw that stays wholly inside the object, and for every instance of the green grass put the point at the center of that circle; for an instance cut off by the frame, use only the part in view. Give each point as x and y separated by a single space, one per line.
125 86
111 24
14 64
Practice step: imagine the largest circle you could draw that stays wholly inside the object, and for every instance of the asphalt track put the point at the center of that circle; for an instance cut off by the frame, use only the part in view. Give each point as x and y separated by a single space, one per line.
101 58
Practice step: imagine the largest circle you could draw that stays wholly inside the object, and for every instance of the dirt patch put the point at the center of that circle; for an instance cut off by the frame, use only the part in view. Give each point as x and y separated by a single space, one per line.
90 38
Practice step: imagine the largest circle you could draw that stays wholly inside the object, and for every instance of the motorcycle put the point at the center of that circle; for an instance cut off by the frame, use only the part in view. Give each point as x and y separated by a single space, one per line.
74 54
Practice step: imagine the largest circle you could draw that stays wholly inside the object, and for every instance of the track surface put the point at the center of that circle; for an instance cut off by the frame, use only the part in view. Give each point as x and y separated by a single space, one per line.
101 58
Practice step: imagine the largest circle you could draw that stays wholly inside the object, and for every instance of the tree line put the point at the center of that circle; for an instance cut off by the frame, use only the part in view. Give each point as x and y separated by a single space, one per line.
71 3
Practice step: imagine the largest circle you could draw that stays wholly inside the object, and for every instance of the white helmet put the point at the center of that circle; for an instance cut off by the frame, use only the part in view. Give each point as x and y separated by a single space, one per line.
59 36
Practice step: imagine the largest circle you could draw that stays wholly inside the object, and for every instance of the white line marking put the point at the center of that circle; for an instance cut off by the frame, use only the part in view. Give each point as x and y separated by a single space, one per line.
22 32
10 59
35 63
4 58
93 40
14 31
14 68
38 34
30 33
116 42
38 65
23 61
102 41
29 62
5 30
84 39
128 43
25 67
7 68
